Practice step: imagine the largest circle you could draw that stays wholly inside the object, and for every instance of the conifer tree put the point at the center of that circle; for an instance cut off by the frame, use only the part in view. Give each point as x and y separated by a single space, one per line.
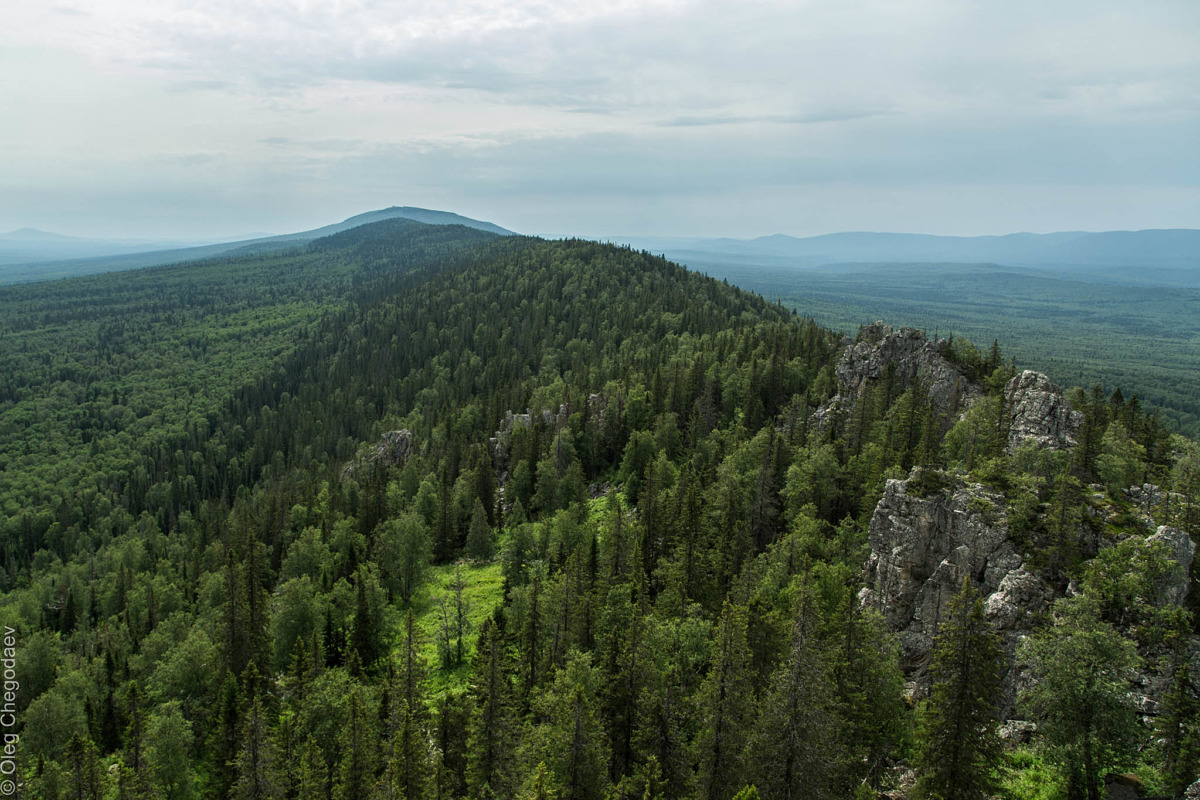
357 744
406 769
85 782
255 769
479 534
311 772
793 748
1081 695
959 749
726 706
489 758
364 637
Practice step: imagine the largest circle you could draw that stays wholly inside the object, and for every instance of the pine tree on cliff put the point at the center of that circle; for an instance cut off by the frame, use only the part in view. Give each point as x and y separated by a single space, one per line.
958 747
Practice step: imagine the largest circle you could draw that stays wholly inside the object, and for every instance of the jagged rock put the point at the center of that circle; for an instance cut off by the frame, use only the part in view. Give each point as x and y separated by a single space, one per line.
912 359
393 448
512 420
1017 731
1182 550
912 356
1039 412
922 547
1151 500
498 444
1017 599
595 490
901 779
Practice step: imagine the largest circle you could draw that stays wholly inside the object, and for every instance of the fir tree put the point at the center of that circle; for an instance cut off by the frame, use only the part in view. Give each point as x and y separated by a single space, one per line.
727 704
959 749
479 534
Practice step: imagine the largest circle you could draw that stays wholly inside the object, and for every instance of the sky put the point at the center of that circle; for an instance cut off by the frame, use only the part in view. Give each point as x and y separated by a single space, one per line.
185 119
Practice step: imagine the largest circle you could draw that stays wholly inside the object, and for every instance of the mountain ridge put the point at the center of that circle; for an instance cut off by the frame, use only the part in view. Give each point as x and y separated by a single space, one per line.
1171 248
23 264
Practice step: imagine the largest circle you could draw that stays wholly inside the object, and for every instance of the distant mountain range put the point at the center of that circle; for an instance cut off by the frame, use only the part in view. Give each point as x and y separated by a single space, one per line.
1160 249
29 255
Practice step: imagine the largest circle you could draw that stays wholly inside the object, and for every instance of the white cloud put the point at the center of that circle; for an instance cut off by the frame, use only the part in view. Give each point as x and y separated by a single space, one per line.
552 102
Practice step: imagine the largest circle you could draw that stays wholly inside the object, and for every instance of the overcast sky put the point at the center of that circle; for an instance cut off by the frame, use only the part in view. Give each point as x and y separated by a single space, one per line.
672 117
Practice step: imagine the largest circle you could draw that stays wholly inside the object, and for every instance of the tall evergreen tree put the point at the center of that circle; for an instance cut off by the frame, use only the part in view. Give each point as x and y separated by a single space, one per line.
1081 695
406 769
255 769
959 750
793 748
726 706
489 758
357 745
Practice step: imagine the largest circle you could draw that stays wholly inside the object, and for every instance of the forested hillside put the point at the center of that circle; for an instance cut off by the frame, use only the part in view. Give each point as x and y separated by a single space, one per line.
416 512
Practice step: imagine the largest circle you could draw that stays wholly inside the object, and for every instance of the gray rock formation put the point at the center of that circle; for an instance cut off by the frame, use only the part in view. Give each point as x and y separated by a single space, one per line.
1039 412
930 531
1181 548
912 358
499 443
394 448
922 547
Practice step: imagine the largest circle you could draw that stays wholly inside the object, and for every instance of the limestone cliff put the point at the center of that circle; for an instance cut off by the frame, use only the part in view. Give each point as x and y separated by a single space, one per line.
393 449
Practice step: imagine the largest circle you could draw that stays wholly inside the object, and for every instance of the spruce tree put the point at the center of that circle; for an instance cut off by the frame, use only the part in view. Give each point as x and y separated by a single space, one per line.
1081 695
792 748
958 746
479 534
490 748
406 769
726 706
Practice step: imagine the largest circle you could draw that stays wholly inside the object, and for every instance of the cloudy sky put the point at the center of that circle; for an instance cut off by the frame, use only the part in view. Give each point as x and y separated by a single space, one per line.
676 117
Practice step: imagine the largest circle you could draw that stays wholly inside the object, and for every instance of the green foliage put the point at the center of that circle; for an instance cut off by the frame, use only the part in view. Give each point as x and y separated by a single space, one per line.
568 740
977 437
977 301
1029 774
403 550
170 752
1121 462
218 590
1081 695
958 748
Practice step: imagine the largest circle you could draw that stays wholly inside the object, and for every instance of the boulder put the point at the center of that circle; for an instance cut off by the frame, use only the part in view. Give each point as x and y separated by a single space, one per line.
1182 550
393 448
1039 412
1017 731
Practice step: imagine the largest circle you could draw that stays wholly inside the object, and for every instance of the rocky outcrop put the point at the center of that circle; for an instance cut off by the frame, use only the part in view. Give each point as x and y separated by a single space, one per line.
924 543
1039 412
910 357
932 530
903 356
1182 550
553 421
393 448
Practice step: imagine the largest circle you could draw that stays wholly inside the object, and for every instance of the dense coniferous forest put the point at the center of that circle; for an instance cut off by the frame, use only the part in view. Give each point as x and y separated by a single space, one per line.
424 512
1134 328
